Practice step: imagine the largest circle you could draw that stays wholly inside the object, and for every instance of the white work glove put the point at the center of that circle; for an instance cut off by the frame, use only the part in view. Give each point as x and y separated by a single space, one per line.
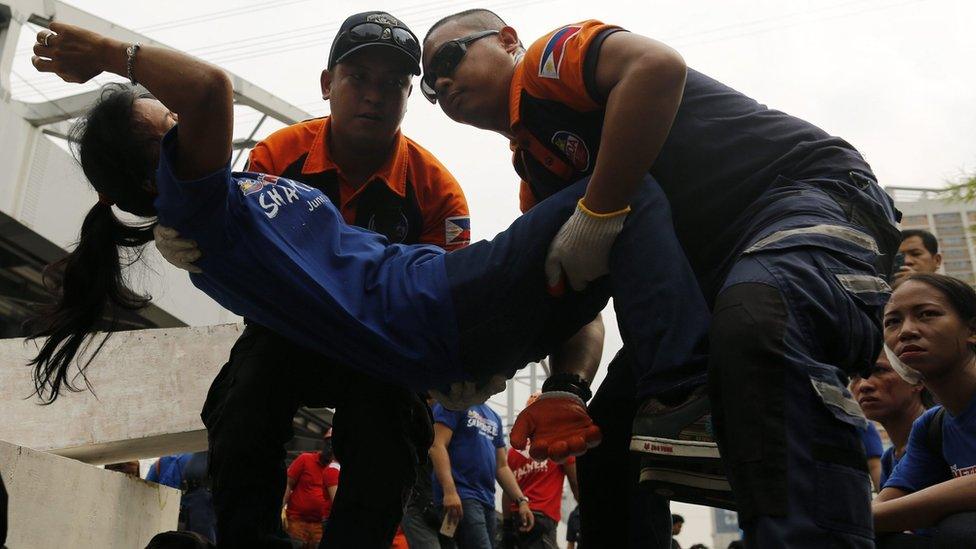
581 249
463 395
179 252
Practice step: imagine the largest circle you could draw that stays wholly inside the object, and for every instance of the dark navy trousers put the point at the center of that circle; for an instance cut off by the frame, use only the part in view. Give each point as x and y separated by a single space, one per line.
799 311
506 318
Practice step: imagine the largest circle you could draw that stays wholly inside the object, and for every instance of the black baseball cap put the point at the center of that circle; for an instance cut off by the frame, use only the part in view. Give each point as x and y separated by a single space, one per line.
375 28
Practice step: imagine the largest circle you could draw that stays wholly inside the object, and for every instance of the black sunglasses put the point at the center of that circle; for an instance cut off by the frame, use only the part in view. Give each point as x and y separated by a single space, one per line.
445 60
371 32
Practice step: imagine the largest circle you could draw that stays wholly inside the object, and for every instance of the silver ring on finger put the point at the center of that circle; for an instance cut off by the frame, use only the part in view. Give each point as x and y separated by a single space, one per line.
46 38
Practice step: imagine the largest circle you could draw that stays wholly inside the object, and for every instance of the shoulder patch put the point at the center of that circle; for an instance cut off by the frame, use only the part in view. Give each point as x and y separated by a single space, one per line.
457 230
552 53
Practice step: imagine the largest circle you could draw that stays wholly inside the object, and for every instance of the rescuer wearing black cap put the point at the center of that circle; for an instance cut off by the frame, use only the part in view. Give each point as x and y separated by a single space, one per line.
383 181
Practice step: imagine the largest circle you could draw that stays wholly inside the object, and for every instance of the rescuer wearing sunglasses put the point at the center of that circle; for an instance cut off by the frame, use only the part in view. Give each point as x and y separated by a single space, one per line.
786 230
380 180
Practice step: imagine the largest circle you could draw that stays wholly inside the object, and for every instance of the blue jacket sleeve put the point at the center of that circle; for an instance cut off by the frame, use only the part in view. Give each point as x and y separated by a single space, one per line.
153 475
193 207
920 467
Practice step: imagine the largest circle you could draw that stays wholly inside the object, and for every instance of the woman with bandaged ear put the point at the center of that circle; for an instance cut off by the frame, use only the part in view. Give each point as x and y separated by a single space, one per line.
930 329
894 402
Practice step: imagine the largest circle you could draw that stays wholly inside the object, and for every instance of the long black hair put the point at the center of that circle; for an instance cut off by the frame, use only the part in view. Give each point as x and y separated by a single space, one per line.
117 158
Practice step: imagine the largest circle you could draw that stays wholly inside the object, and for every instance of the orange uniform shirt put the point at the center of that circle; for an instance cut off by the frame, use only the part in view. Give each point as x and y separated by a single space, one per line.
411 199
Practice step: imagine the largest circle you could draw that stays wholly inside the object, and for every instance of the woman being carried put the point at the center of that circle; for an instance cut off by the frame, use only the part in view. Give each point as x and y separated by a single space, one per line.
279 252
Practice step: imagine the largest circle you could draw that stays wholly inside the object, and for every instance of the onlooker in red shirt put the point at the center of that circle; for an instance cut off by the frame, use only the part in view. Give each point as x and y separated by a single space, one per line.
542 483
312 482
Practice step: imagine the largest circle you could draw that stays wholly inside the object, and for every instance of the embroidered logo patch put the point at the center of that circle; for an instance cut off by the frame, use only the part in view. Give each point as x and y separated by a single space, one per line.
552 53
457 230
391 223
250 186
573 148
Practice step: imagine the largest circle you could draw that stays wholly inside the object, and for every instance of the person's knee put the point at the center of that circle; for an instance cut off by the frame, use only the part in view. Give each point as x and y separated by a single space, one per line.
747 345
749 318
957 530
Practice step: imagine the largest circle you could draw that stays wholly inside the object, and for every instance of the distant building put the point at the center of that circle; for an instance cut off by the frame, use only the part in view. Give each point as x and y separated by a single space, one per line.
949 221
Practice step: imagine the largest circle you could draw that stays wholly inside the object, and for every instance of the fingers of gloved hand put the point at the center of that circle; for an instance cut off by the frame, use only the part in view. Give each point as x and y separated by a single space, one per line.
177 245
183 256
592 436
554 268
161 232
539 450
559 451
188 266
577 445
523 429
559 289
578 281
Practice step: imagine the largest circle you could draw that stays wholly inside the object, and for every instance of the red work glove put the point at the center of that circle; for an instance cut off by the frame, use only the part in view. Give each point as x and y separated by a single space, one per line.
558 425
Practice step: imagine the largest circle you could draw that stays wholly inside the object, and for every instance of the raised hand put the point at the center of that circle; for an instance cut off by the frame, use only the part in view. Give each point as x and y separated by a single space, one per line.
75 54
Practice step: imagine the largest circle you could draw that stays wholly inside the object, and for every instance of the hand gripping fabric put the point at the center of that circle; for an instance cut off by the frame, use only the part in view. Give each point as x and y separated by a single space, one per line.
179 252
581 249
558 425
464 395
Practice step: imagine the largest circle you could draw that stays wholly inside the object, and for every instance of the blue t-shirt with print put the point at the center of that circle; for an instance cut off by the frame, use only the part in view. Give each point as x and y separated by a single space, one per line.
279 252
477 434
920 467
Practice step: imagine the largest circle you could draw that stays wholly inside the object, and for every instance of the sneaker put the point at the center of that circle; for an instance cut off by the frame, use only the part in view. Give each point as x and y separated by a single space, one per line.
680 431
681 461
688 481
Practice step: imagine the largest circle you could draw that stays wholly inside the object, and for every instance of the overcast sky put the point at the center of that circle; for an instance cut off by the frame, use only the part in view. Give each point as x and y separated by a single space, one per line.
893 77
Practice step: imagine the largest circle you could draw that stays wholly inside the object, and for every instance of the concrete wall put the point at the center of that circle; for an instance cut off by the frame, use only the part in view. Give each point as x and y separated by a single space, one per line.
59 502
149 386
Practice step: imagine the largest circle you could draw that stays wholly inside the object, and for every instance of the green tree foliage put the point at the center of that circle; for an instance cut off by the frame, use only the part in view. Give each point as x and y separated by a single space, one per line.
961 190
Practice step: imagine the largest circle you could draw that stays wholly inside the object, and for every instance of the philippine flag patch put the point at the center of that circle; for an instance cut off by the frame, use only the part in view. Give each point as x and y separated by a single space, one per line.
552 53
457 230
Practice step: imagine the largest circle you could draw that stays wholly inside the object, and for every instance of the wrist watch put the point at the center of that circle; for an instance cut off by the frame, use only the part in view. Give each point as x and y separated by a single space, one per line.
522 500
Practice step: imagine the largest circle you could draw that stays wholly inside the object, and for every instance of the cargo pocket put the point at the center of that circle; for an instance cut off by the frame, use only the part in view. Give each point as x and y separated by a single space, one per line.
843 499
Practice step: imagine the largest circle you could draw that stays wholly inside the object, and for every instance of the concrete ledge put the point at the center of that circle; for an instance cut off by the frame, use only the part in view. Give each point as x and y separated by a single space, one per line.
149 385
59 502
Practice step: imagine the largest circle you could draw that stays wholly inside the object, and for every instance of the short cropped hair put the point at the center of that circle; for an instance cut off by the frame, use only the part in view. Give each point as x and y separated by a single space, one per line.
676 519
477 19
928 239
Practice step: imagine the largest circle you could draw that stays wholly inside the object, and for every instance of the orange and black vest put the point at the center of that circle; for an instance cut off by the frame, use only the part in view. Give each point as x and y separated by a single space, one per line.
723 152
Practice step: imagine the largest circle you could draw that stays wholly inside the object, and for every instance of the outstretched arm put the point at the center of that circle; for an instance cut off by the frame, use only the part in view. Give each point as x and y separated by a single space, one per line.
199 93
894 510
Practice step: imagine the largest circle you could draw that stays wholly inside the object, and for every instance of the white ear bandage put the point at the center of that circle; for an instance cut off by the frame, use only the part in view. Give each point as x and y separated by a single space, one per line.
908 374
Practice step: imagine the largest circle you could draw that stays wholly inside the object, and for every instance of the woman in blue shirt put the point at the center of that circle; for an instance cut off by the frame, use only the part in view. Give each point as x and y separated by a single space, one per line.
930 325
894 403
278 252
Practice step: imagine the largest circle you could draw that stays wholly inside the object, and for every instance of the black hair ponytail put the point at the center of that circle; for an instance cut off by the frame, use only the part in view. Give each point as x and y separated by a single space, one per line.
88 285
